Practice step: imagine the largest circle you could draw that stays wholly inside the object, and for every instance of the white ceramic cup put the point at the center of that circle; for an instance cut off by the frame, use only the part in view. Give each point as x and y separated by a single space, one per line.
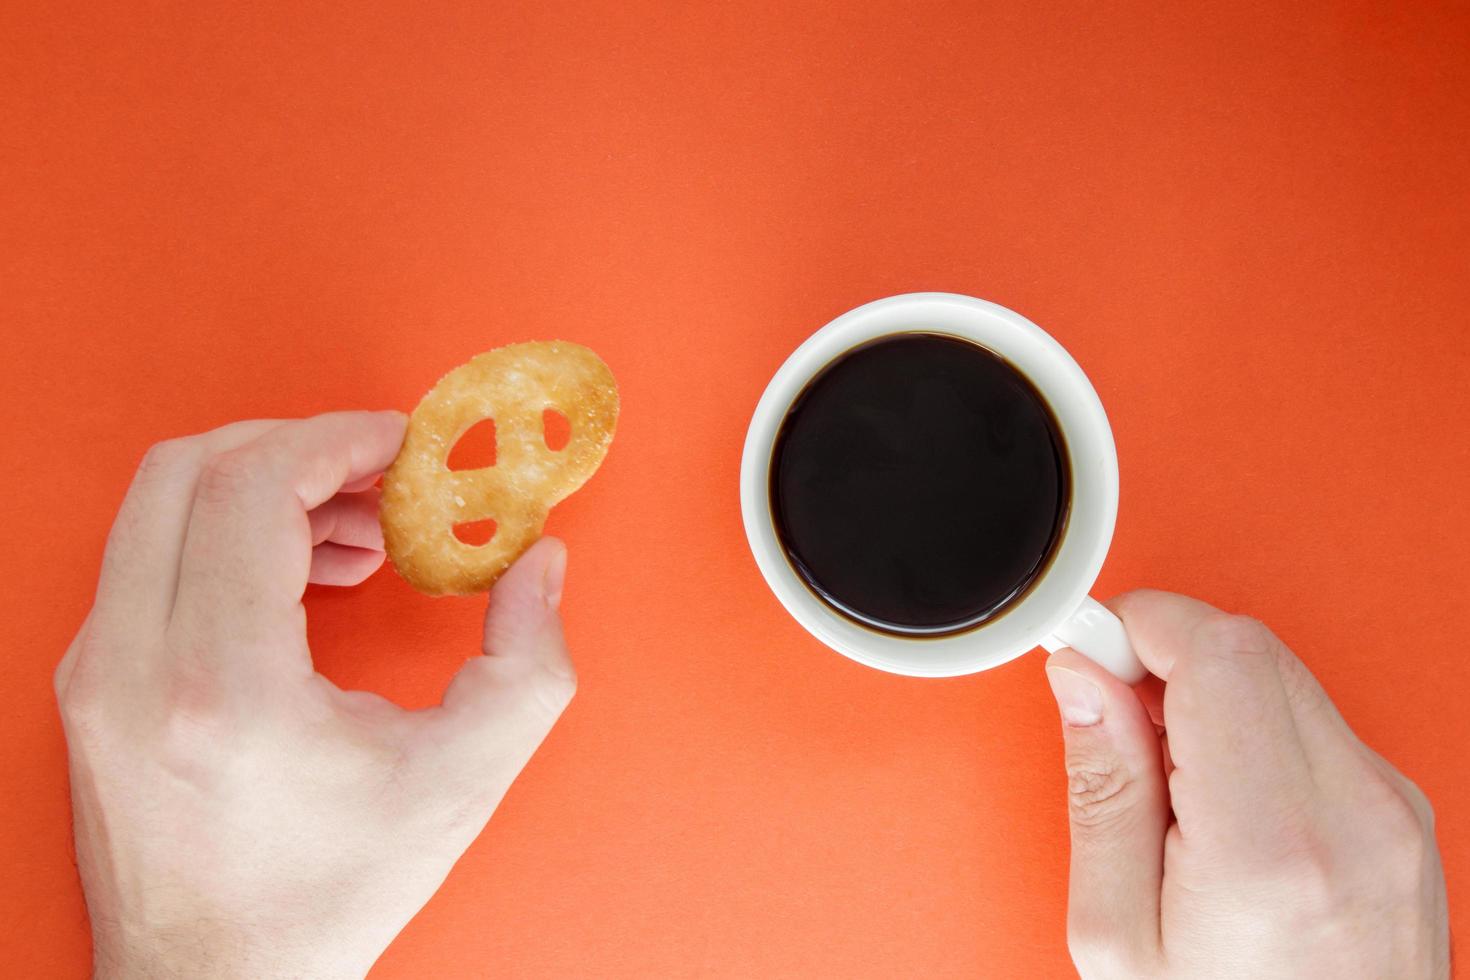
1056 610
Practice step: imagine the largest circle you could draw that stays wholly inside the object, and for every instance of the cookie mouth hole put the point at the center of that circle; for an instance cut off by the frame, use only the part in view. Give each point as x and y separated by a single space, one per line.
555 429
475 533
475 450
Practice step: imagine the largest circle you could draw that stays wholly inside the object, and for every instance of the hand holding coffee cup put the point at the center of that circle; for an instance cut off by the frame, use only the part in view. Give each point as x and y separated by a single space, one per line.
929 485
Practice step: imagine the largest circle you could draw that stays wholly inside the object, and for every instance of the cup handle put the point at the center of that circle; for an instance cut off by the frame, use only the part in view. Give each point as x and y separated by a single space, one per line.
1098 635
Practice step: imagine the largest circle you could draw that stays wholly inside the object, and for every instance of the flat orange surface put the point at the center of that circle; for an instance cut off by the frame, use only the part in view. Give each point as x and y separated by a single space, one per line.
1248 221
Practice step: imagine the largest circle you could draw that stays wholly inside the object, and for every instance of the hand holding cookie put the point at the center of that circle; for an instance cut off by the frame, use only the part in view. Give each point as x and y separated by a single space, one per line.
220 785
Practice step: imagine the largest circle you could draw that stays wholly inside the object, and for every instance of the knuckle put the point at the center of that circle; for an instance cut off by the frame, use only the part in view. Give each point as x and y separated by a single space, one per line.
188 748
167 457
193 738
1307 872
73 699
1302 690
224 477
1098 791
80 704
1403 832
1236 634
1419 803
556 690
59 678
77 686
184 731
547 692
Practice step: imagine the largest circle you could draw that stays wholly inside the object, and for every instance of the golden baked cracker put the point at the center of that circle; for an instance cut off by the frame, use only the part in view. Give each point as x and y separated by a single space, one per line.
423 499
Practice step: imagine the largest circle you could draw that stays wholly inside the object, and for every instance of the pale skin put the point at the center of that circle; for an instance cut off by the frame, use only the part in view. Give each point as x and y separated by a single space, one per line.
1255 835
237 815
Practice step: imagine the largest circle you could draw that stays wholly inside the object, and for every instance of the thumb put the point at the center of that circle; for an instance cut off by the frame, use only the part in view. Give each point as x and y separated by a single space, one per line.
502 704
1118 803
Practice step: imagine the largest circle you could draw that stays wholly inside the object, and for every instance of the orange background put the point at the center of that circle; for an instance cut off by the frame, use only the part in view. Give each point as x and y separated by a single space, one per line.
1248 221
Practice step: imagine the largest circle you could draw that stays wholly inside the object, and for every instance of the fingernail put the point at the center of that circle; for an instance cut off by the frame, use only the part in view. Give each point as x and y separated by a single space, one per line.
1079 699
553 577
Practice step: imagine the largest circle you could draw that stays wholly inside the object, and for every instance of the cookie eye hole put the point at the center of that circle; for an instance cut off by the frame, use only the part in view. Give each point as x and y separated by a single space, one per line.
555 429
475 533
475 450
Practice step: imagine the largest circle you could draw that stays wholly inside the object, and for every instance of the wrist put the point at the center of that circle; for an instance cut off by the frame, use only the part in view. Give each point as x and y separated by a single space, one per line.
205 951
200 951
204 948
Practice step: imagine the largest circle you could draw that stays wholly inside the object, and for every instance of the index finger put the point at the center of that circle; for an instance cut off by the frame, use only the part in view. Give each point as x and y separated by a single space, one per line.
140 567
247 552
1240 768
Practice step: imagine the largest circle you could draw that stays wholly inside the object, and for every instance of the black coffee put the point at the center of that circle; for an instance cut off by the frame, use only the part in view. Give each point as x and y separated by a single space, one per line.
919 484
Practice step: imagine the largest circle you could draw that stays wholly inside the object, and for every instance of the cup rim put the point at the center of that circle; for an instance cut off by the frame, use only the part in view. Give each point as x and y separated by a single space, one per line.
1092 455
